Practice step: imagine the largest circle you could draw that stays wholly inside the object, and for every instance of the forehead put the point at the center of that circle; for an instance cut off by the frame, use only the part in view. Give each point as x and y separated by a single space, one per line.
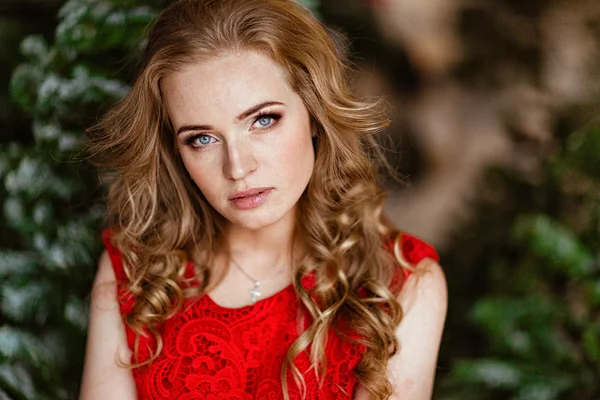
225 85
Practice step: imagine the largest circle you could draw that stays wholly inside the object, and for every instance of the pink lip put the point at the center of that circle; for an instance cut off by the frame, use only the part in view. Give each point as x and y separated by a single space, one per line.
248 199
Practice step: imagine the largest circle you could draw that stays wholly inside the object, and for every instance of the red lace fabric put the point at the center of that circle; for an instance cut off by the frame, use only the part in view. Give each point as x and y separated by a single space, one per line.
211 352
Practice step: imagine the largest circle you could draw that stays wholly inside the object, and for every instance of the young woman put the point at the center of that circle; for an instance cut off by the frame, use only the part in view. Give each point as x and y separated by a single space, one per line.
246 236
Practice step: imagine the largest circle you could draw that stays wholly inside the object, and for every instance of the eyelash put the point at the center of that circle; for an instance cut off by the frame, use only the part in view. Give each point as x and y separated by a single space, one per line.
189 141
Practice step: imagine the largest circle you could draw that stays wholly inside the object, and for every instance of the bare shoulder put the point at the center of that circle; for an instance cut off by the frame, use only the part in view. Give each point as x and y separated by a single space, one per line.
105 276
425 289
103 377
104 289
105 272
424 301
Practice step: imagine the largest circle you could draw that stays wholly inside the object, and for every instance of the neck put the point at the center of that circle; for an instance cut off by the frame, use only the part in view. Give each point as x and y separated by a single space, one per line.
263 251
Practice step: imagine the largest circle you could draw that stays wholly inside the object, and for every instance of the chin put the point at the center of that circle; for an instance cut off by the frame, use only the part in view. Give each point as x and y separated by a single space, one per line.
252 222
255 219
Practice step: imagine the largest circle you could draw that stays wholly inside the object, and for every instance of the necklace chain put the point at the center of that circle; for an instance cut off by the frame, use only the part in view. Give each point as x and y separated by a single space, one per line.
255 292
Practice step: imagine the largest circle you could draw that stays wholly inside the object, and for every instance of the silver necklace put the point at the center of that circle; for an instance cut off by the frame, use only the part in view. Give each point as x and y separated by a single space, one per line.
255 292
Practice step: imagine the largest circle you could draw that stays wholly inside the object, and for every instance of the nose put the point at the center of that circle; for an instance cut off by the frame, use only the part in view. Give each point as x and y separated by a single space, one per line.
239 161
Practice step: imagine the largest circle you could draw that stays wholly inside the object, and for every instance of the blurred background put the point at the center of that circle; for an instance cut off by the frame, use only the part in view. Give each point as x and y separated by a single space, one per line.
495 134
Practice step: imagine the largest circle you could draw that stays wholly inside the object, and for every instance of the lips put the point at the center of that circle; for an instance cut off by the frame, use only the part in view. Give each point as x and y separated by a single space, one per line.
251 198
248 193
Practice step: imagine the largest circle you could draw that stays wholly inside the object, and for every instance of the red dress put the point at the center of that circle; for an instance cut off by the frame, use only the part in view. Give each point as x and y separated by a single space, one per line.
212 352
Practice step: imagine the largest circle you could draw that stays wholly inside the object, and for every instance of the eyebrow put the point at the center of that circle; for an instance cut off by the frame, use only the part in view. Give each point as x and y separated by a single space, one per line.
240 117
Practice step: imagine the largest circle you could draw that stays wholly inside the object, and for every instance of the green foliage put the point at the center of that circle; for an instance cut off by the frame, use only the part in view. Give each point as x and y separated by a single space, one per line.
540 326
48 189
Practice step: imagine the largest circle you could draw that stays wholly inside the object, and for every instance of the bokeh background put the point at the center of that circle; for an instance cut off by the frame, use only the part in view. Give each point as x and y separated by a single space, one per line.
495 134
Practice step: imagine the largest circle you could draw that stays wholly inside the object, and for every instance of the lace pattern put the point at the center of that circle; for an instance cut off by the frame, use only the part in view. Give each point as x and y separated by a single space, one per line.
212 352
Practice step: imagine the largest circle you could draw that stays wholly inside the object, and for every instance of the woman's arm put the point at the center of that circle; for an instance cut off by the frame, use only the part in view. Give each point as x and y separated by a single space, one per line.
424 301
102 377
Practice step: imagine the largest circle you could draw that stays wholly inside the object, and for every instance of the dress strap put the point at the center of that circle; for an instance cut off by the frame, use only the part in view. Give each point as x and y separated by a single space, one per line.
116 258
145 343
414 250
114 253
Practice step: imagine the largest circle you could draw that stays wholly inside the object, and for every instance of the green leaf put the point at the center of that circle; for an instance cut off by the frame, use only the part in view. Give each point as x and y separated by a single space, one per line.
591 342
583 149
60 95
594 292
34 47
17 379
43 212
548 389
64 252
93 26
14 212
46 349
77 312
491 373
527 328
52 133
34 177
26 301
556 244
16 263
24 84
3 394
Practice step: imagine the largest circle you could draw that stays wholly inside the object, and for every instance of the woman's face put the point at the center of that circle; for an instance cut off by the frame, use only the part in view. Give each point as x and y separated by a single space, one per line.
243 135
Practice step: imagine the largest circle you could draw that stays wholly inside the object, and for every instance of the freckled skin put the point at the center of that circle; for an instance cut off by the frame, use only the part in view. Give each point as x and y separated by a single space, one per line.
239 155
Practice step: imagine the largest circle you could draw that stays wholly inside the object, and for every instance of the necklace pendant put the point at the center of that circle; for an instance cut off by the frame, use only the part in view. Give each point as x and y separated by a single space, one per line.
254 292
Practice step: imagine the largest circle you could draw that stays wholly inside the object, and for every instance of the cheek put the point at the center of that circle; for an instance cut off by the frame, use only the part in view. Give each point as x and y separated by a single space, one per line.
200 170
297 158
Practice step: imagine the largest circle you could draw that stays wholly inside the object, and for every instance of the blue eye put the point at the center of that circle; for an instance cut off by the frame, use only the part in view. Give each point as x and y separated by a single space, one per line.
266 120
204 139
199 140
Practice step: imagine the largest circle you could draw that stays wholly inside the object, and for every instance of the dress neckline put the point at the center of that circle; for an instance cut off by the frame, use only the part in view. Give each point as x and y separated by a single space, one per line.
289 289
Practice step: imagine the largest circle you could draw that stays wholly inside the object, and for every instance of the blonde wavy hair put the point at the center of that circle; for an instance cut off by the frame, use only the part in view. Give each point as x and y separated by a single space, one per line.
163 219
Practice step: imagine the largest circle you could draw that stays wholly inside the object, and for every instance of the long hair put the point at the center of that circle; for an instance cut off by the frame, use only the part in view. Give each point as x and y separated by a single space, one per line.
163 218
